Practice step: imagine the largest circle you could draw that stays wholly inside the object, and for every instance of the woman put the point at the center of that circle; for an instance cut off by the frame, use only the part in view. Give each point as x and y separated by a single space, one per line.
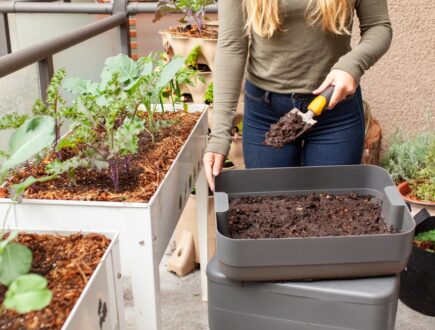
293 50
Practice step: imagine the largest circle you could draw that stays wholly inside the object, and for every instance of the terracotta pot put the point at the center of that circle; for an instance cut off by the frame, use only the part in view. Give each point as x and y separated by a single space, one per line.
405 190
182 45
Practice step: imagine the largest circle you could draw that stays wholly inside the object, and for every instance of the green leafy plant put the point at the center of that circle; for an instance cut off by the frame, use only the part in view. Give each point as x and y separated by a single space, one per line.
413 160
193 11
12 120
107 123
426 240
208 96
54 106
26 292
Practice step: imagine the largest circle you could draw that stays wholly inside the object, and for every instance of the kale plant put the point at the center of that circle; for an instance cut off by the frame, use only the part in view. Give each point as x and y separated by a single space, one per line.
26 292
193 11
107 123
54 106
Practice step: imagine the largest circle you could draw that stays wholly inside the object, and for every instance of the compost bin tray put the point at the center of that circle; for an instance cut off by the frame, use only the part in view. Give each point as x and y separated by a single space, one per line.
329 257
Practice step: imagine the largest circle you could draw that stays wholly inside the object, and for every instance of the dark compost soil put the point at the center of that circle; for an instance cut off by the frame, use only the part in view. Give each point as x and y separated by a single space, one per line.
147 170
312 215
67 262
286 130
208 32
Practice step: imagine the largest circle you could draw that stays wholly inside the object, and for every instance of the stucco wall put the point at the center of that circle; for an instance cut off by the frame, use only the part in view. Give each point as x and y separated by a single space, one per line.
400 88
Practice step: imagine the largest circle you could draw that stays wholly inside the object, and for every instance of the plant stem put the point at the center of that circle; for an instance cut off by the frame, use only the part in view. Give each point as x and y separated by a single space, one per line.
6 216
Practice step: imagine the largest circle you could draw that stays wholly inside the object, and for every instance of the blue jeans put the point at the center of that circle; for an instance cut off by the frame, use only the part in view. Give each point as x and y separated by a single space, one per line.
336 139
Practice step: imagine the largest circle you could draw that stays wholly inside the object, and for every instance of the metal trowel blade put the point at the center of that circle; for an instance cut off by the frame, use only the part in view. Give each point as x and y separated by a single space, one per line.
307 119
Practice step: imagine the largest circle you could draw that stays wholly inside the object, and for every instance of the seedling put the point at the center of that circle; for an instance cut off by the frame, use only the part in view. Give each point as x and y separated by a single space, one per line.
26 292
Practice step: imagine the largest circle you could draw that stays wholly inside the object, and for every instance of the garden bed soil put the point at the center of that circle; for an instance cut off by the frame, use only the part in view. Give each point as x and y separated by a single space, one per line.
286 130
147 169
67 262
313 215
208 32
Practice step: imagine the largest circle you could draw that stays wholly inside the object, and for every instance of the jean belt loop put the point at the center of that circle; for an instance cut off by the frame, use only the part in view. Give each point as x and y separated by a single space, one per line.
266 97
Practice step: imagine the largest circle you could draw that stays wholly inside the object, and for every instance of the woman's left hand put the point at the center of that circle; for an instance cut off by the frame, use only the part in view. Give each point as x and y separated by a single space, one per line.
344 85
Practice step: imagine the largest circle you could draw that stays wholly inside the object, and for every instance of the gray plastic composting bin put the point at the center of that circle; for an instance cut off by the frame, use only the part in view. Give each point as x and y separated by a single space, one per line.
369 303
313 257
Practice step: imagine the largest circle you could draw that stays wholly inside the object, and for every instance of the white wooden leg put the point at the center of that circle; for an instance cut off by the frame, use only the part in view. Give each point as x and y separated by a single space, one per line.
145 279
202 212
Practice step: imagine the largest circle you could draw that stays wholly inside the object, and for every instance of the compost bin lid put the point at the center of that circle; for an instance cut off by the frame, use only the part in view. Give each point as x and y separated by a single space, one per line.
376 290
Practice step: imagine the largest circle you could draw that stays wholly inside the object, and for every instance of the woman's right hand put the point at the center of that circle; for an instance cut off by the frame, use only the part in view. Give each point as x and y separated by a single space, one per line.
213 163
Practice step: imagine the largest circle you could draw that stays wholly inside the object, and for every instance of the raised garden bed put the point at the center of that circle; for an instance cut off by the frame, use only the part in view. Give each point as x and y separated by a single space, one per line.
81 270
126 158
276 254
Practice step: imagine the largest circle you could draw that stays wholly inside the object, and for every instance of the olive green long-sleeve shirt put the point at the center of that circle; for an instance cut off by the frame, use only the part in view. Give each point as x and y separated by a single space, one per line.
294 60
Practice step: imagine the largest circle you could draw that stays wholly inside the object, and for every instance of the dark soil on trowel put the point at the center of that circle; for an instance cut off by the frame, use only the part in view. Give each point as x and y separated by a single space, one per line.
147 170
286 130
67 262
207 32
311 215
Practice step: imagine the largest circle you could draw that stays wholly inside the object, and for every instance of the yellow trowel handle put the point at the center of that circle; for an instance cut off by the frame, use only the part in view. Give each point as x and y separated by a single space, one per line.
321 101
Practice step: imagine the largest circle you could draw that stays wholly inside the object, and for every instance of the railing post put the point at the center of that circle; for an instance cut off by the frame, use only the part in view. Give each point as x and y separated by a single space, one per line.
120 6
5 41
45 72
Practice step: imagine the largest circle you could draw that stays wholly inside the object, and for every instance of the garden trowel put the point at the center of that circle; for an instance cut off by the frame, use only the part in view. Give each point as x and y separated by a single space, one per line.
295 123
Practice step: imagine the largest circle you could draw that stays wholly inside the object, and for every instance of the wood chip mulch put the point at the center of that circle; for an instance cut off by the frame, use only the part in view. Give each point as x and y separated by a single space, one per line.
67 262
207 32
148 168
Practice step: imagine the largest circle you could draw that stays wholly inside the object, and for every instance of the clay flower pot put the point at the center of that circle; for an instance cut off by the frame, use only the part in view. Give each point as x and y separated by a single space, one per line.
406 192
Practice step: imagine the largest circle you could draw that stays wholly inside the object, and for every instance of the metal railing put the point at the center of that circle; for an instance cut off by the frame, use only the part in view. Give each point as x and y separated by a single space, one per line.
43 52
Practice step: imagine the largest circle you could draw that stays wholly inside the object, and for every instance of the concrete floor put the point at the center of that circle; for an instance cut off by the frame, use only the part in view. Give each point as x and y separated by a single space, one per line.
183 309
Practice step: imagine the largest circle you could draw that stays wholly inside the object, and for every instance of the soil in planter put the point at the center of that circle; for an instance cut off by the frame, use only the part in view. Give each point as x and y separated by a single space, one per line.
208 32
312 215
286 130
67 262
147 170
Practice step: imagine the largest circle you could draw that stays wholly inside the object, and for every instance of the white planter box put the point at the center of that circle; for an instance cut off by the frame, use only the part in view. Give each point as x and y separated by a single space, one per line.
144 228
104 288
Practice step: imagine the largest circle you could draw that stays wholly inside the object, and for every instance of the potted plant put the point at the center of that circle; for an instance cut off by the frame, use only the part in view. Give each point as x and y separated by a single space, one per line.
128 163
411 163
417 281
54 280
180 40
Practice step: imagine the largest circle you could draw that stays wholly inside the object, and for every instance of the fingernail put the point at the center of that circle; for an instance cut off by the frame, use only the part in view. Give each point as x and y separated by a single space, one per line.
216 173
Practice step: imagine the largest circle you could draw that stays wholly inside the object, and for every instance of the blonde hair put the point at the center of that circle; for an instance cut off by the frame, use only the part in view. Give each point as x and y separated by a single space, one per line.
263 16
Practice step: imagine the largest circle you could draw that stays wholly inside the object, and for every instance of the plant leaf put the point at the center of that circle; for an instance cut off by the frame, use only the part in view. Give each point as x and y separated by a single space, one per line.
169 71
19 188
123 65
78 85
5 242
29 139
28 293
12 120
16 261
